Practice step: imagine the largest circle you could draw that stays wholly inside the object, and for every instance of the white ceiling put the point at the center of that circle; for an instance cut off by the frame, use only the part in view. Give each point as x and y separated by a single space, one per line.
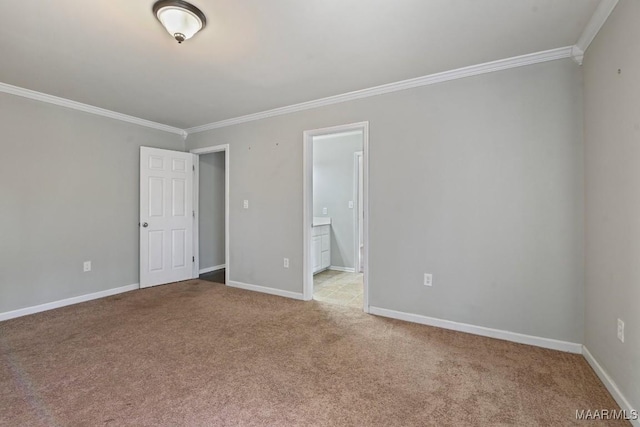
255 55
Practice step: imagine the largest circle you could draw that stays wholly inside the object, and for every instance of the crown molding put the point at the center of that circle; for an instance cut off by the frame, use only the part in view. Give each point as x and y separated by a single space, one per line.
600 15
63 102
459 73
473 70
577 55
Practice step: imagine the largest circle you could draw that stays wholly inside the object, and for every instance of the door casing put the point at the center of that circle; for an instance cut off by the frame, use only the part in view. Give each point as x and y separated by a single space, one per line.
196 198
307 262
358 166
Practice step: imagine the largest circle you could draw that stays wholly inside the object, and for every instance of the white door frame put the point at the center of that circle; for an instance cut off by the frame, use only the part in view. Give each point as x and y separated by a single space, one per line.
307 268
196 207
356 214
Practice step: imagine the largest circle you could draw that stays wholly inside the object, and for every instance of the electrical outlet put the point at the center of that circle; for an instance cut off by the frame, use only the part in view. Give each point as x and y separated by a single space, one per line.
620 330
87 266
428 279
286 263
245 204
324 211
350 204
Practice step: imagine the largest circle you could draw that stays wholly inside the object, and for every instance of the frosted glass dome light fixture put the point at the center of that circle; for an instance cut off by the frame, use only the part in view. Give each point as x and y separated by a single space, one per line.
181 19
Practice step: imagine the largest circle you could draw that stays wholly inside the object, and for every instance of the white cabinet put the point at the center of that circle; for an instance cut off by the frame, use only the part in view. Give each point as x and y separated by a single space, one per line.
321 248
326 260
316 253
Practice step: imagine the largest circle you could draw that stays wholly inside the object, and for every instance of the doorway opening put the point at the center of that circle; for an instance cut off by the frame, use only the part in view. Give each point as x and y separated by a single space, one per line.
211 213
336 215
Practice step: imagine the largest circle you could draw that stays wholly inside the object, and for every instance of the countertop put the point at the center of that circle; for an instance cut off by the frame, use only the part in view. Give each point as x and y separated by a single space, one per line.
321 220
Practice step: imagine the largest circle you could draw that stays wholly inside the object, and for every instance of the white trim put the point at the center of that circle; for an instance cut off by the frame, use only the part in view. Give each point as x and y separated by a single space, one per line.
214 268
196 217
577 55
459 73
227 217
307 216
569 347
265 290
365 226
600 15
339 135
344 269
357 156
63 102
307 178
65 302
210 149
196 205
609 384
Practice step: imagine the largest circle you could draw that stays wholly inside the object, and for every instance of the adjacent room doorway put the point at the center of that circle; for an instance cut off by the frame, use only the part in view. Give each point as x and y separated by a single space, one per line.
175 228
211 202
335 265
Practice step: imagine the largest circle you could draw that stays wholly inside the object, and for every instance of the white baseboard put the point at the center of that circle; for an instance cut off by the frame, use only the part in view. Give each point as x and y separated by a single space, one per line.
64 302
610 385
265 290
214 268
345 269
569 347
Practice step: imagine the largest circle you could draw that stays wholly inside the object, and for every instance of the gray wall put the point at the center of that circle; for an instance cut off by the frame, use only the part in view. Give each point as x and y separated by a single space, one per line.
333 188
211 219
68 193
478 181
612 140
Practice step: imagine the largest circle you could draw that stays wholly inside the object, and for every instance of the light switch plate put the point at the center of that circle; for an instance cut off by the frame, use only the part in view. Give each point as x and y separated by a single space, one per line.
428 279
245 204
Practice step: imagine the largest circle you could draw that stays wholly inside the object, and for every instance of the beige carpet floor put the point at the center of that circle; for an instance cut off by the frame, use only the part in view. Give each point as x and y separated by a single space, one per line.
202 354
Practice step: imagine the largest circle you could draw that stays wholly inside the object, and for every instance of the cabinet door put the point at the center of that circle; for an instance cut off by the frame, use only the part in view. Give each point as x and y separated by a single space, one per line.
326 241
326 259
316 253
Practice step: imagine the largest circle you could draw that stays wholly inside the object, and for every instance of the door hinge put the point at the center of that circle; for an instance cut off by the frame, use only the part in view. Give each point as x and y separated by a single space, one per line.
194 167
193 259
194 213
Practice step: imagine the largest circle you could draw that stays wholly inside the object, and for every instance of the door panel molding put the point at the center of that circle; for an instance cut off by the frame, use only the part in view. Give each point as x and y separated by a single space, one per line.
166 223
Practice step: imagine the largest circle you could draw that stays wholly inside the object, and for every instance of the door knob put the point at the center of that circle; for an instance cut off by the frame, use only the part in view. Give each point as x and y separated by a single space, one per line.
145 225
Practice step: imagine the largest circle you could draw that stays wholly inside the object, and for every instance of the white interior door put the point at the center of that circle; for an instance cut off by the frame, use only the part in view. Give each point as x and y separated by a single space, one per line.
166 216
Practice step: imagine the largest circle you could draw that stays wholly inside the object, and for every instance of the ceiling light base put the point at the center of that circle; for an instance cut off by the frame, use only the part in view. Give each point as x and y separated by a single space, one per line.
181 19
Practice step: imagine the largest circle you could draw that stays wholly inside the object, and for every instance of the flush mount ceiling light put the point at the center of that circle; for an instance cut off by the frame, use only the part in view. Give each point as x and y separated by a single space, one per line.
181 19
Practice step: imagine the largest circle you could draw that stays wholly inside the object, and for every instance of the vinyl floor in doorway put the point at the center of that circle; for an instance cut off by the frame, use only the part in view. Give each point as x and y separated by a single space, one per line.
341 288
197 353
